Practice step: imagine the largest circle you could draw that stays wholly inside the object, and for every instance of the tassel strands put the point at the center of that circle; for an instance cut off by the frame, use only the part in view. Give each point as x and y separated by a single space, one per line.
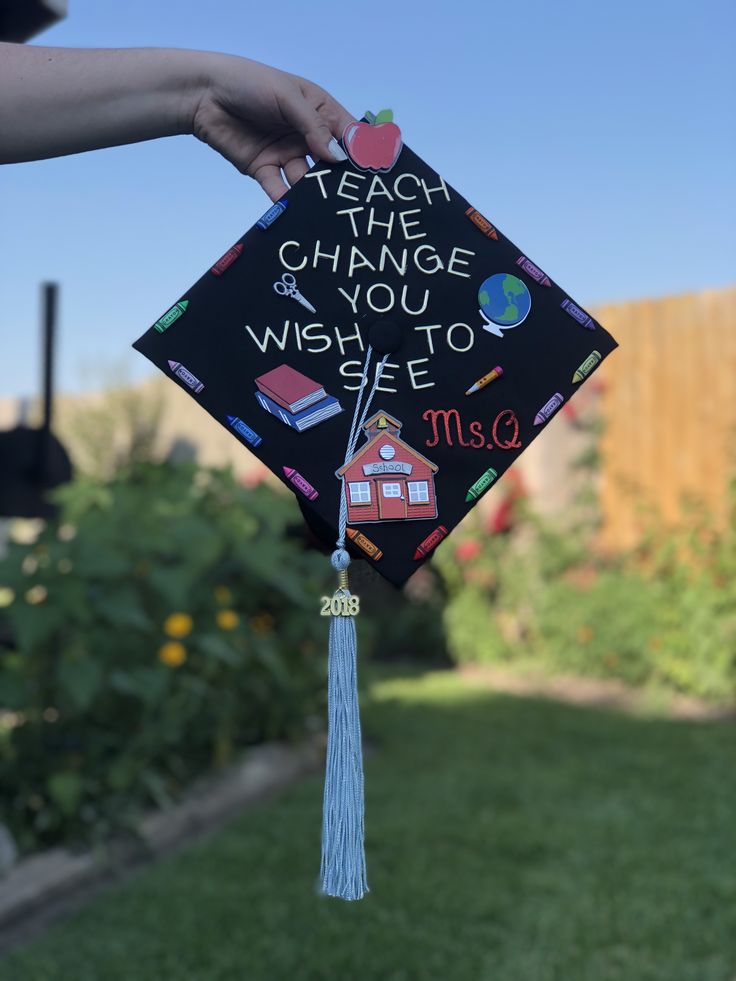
343 870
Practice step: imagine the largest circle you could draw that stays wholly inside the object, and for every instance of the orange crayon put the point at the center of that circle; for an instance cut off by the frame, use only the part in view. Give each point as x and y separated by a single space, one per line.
359 539
485 226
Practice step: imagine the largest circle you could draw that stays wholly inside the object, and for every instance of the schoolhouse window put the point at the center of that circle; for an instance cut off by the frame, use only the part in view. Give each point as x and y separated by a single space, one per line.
418 492
392 490
360 492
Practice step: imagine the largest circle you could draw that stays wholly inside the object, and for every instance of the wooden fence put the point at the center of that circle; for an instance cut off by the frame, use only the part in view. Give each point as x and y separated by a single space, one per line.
669 407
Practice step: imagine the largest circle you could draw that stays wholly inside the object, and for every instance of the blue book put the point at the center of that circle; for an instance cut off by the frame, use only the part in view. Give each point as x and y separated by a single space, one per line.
311 416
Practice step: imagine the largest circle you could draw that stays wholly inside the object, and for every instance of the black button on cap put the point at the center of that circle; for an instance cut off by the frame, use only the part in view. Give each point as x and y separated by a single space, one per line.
385 336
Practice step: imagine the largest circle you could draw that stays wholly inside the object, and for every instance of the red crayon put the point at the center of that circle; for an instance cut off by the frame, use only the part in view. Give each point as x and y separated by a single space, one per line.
300 483
430 542
225 261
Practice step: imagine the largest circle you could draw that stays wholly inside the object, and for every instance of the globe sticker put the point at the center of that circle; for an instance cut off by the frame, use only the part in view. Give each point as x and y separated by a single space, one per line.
505 302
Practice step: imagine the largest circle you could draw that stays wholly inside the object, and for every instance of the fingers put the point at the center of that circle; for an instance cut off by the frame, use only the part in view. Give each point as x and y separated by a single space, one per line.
270 179
320 129
295 169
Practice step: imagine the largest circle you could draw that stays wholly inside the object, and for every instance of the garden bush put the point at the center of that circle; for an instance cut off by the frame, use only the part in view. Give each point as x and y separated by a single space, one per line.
163 621
664 614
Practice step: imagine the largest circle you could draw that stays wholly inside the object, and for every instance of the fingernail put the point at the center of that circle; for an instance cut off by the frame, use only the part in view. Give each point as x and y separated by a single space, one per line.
336 151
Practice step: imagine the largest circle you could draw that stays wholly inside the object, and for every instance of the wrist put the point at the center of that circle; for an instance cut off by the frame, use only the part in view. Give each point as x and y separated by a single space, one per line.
192 79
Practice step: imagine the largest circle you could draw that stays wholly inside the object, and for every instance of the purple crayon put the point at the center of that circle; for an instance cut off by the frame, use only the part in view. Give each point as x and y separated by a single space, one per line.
534 271
244 430
548 409
577 314
300 483
186 376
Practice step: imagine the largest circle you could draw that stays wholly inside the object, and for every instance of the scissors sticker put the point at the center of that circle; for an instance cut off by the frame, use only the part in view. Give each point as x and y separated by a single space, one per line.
286 286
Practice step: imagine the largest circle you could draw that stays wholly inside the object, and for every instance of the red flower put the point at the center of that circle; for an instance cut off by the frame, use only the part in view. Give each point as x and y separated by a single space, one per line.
468 550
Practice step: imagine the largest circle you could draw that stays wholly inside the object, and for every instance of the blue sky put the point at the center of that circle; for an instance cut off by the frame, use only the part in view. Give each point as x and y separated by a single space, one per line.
599 137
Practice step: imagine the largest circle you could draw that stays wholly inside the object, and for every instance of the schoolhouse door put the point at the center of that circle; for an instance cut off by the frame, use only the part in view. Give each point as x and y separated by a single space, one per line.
391 498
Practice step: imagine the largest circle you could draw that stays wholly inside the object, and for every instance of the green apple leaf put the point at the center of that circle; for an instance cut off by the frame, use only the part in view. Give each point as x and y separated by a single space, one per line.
370 117
384 116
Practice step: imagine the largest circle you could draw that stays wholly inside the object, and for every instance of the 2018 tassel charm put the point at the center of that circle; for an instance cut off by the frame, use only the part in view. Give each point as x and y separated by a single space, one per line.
343 871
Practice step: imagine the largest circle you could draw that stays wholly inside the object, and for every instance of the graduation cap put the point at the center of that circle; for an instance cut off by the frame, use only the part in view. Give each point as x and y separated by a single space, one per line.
388 353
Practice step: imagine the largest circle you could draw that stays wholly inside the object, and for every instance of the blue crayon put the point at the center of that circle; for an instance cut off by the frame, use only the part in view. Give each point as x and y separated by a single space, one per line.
245 431
577 314
272 214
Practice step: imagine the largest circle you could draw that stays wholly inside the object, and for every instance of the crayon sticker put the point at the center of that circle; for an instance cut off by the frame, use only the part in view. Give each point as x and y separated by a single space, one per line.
190 380
549 408
274 212
364 543
225 261
480 222
534 271
591 362
301 483
171 316
431 542
577 314
244 430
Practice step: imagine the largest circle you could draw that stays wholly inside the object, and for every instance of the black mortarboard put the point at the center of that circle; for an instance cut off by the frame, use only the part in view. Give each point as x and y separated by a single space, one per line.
379 259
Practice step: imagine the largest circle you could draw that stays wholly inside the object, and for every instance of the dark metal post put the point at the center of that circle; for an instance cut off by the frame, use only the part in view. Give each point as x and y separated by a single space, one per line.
50 306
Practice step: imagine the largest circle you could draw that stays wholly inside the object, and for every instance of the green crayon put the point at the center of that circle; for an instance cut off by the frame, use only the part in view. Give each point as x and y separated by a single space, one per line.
593 359
481 485
178 310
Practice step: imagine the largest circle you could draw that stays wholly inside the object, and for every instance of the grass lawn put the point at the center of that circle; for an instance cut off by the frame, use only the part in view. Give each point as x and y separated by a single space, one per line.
508 839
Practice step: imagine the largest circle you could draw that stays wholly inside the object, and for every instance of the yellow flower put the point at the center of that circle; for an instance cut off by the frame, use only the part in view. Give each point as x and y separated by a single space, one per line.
223 595
262 623
172 653
178 625
227 619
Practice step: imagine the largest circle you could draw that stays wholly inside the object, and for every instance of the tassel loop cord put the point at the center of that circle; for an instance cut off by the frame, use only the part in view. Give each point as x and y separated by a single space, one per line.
342 870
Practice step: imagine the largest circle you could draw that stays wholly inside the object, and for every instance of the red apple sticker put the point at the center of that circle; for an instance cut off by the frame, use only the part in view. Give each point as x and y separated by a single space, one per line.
374 145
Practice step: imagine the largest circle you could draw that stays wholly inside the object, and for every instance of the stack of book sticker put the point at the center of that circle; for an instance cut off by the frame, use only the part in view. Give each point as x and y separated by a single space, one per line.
295 399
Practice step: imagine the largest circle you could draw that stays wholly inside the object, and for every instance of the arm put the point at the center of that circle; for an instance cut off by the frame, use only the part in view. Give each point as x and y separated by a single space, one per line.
55 101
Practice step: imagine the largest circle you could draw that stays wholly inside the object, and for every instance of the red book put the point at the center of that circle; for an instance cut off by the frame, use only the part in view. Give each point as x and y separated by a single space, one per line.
290 388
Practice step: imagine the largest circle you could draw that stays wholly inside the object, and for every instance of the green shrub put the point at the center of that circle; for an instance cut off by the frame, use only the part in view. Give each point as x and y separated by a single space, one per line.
664 614
164 621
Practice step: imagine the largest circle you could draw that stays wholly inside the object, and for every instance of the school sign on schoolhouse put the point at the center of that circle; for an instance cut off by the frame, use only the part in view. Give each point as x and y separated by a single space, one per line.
386 479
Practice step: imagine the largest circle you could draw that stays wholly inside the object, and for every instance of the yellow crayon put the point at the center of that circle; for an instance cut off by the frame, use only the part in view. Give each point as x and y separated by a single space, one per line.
485 380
